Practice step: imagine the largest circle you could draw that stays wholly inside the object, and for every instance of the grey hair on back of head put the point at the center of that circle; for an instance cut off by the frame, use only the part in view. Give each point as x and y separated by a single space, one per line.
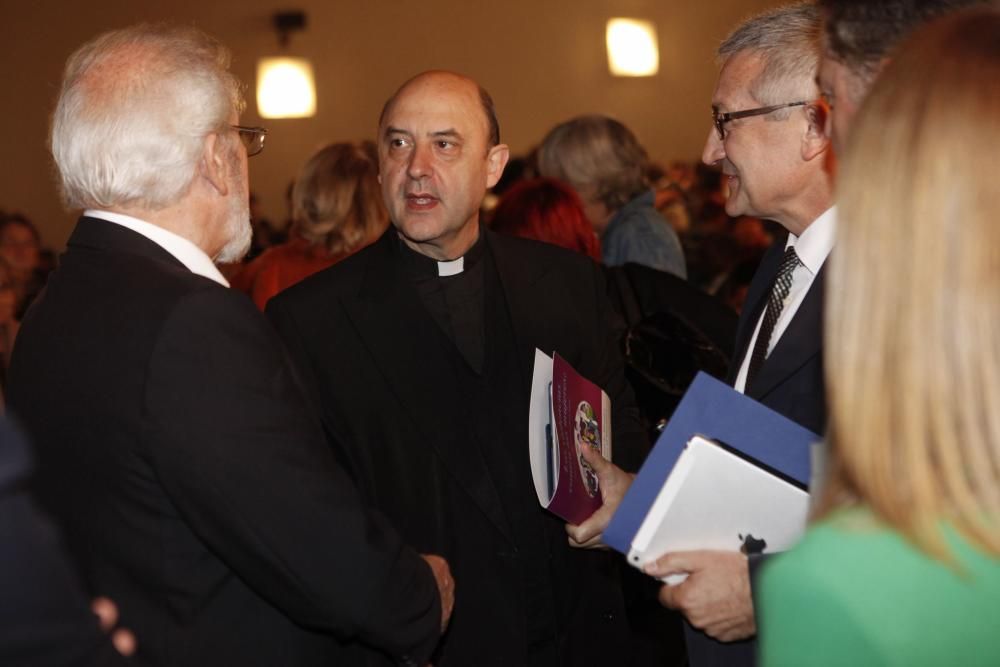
788 39
134 109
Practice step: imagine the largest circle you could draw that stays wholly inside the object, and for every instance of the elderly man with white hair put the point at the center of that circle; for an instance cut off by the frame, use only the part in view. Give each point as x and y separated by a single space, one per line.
174 443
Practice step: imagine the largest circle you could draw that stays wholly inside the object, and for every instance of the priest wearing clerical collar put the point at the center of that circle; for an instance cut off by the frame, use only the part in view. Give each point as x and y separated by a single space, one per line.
418 351
453 292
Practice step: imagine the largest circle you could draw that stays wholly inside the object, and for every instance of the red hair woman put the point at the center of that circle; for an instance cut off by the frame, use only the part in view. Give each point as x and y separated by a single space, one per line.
546 210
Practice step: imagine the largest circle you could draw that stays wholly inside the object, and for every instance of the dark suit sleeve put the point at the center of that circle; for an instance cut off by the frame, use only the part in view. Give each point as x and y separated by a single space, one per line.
246 465
45 616
630 445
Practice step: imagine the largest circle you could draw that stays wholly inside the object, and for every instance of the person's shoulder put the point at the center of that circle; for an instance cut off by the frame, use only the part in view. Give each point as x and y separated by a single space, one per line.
636 211
144 283
214 323
208 300
844 532
291 252
848 556
846 592
540 253
642 223
807 606
341 278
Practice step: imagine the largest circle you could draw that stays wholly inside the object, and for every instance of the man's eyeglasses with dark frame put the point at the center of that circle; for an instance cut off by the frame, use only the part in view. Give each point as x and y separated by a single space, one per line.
252 138
720 119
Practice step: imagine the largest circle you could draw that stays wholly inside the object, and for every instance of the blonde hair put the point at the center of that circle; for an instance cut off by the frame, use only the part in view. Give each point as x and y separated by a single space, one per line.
336 201
913 301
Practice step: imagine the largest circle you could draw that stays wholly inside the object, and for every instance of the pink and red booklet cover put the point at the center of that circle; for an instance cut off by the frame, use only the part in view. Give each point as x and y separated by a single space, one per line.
568 412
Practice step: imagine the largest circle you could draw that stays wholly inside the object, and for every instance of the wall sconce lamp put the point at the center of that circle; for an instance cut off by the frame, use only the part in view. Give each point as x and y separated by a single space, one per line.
632 48
285 85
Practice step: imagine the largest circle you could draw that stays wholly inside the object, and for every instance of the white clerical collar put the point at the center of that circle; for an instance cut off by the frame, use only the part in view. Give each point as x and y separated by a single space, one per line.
452 268
183 250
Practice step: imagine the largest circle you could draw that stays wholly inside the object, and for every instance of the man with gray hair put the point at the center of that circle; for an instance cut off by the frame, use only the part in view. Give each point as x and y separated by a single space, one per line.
768 137
174 443
858 39
604 162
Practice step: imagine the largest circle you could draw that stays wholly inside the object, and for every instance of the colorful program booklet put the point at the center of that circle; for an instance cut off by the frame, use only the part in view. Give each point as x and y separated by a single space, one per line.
568 412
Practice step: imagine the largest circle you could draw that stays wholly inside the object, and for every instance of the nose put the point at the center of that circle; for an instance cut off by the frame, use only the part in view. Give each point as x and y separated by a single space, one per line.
715 148
420 162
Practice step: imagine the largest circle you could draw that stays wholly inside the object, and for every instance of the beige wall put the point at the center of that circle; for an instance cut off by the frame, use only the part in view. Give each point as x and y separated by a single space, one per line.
543 61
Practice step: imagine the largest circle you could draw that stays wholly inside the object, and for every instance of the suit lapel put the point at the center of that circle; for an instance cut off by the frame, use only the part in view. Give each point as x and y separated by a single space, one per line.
406 345
757 294
518 280
801 341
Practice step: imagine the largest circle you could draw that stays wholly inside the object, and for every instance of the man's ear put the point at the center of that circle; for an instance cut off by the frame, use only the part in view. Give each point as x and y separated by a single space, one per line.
815 141
214 164
496 160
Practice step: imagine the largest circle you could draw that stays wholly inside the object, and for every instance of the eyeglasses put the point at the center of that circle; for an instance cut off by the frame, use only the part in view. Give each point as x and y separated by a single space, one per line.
252 138
720 119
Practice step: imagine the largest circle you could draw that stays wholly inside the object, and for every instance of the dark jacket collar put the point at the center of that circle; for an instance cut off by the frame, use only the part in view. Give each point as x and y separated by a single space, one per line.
104 235
802 339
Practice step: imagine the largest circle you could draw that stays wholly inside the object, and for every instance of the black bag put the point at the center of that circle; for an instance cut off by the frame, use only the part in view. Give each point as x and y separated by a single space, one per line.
673 330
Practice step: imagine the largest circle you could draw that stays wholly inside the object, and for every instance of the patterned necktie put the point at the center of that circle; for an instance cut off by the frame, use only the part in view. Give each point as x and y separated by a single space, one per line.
775 304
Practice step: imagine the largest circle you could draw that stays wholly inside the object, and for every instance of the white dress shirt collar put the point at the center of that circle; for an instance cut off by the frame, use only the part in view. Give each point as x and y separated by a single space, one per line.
814 244
185 252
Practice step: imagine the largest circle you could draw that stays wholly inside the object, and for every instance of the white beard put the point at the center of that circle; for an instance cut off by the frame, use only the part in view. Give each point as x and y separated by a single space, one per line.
240 233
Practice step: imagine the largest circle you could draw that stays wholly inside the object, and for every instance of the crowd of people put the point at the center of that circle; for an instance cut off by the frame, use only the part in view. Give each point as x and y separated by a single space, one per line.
343 478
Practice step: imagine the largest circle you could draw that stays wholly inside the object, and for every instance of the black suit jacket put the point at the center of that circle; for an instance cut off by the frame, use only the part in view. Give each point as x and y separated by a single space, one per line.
193 484
396 420
790 382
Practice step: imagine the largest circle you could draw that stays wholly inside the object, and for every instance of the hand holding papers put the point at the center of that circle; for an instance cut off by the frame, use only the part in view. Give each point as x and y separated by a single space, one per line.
690 492
613 483
715 597
716 499
568 414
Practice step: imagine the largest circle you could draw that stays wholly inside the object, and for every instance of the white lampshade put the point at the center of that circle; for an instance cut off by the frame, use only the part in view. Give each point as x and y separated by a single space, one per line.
632 49
285 88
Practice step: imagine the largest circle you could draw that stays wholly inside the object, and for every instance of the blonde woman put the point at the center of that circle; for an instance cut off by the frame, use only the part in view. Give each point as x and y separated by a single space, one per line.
336 208
902 566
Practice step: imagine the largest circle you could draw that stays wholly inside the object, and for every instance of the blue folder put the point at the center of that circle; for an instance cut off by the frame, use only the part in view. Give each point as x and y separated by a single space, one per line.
715 410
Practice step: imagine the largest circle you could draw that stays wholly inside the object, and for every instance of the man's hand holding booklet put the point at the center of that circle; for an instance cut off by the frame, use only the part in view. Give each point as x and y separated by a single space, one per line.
726 474
569 415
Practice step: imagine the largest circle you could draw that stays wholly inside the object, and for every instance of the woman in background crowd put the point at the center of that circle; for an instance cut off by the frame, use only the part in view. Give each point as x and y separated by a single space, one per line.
336 210
20 251
903 565
546 210
604 162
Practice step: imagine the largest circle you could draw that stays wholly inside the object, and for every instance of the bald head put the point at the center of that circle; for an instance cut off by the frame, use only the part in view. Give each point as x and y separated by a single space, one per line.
455 82
437 157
